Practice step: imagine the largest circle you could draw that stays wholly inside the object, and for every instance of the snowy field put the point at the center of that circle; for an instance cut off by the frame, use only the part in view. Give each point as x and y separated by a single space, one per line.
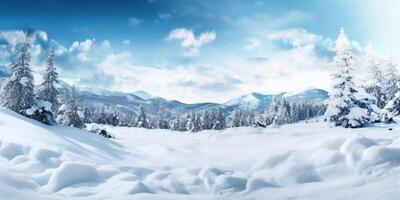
299 161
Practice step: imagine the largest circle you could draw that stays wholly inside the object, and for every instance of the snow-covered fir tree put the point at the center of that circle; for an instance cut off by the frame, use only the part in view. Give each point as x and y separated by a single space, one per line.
349 105
237 118
17 92
260 120
113 118
250 120
47 89
141 120
374 80
283 115
220 122
175 123
206 121
162 122
196 125
87 115
392 109
391 79
189 121
272 110
69 112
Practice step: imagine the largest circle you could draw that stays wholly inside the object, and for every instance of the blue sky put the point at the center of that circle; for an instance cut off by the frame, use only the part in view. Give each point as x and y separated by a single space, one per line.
196 50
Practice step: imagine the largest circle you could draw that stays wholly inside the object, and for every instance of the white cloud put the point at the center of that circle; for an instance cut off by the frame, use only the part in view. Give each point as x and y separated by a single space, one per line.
164 16
299 37
188 39
222 79
42 35
135 21
252 43
186 83
13 37
81 50
126 42
106 44
82 46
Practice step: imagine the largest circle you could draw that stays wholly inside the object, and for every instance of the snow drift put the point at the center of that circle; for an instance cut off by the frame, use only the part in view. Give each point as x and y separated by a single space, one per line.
300 161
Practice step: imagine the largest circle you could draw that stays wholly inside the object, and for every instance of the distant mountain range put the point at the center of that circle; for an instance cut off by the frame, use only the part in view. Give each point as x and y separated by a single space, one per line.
129 102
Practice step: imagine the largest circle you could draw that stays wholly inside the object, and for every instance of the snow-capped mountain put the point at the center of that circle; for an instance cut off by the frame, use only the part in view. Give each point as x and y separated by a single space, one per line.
144 95
129 102
259 102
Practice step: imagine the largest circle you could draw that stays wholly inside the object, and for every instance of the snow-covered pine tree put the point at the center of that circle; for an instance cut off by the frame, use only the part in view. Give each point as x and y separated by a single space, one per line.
374 80
175 123
244 118
196 125
47 90
206 122
162 122
189 121
113 118
349 105
237 118
272 110
70 116
250 120
283 115
260 120
100 116
141 120
87 115
17 92
392 109
391 79
220 122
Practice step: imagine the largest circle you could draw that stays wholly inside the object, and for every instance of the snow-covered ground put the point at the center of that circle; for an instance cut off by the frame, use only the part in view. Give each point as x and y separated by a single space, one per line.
299 161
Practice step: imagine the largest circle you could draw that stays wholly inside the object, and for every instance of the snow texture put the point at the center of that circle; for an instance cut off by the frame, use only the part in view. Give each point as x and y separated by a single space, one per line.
296 161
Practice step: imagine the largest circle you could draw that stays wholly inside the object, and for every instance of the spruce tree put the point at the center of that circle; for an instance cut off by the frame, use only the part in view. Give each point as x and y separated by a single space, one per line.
392 109
283 115
175 123
374 81
70 116
206 121
349 105
237 118
391 79
162 122
220 122
47 90
141 120
17 92
189 121
196 125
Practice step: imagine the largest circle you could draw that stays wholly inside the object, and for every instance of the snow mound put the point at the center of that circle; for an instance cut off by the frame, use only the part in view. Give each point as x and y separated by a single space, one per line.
255 183
139 187
378 155
226 184
11 150
70 173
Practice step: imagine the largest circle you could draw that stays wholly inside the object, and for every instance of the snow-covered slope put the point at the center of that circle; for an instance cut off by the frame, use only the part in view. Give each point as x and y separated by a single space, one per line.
298 161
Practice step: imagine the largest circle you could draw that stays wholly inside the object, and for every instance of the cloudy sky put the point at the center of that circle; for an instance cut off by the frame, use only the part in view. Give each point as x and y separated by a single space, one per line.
196 50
